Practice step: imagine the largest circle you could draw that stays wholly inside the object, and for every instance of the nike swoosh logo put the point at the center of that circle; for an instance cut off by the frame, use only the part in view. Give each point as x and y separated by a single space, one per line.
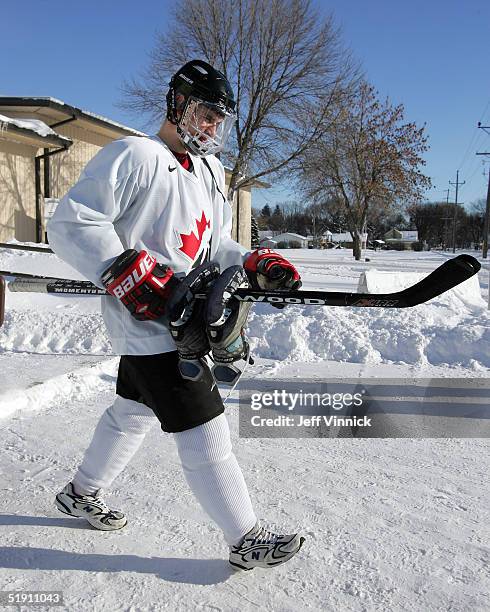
172 169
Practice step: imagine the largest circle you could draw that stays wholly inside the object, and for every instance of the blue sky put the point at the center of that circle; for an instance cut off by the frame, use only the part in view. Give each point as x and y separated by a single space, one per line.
432 56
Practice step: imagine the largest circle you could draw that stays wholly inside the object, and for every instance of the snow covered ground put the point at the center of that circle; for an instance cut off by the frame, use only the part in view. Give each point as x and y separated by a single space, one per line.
391 524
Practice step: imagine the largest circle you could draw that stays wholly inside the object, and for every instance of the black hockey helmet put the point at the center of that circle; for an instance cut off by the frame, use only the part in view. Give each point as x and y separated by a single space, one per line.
200 79
208 100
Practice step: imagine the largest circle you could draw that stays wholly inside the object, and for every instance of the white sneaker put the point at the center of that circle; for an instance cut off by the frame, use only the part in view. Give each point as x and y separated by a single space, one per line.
90 507
262 548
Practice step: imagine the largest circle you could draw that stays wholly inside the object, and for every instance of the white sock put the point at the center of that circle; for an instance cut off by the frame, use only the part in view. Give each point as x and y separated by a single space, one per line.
215 478
118 435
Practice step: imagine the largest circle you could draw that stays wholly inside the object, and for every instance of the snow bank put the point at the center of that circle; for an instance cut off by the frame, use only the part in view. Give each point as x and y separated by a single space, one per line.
377 281
61 331
452 329
78 383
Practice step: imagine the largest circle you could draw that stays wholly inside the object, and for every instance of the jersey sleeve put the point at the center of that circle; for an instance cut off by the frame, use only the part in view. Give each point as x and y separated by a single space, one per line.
81 231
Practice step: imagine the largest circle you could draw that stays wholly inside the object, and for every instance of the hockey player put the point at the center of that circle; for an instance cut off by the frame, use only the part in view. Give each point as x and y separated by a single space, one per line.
148 221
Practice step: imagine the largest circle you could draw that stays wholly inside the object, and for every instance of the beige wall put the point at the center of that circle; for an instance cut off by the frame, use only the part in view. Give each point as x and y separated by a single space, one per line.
17 192
17 179
66 167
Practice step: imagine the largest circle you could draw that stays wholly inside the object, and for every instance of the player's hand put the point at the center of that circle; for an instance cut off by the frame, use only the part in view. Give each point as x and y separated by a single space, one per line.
269 270
142 284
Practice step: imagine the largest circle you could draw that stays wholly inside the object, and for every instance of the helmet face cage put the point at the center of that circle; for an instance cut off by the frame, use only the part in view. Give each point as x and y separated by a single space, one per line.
204 127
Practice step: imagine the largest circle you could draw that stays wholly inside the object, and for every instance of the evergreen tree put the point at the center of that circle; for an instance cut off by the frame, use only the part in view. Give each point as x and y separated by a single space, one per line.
266 211
277 220
255 234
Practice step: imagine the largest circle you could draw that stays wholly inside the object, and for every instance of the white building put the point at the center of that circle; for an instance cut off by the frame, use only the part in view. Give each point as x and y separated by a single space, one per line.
344 239
291 240
401 239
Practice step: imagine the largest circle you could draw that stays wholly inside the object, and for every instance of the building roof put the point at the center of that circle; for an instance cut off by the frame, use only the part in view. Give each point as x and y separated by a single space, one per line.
53 111
409 235
401 235
289 234
342 236
32 132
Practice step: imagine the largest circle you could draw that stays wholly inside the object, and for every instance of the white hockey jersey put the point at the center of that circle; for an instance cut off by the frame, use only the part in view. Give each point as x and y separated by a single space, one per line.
134 194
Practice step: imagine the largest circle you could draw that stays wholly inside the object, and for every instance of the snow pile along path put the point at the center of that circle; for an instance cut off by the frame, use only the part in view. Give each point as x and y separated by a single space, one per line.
64 330
79 383
50 324
452 329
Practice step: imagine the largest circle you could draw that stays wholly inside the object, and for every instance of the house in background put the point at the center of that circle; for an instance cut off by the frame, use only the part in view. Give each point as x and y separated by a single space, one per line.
400 239
343 239
288 240
265 239
44 145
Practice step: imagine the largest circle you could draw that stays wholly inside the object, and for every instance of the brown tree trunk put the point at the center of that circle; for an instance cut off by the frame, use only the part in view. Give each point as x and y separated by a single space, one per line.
357 246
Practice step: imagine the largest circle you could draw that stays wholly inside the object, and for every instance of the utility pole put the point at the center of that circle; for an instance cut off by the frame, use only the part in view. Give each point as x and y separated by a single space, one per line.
446 219
457 184
486 225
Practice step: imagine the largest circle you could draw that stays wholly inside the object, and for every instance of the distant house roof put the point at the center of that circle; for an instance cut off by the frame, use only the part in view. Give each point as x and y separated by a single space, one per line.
409 235
267 242
342 237
289 235
395 235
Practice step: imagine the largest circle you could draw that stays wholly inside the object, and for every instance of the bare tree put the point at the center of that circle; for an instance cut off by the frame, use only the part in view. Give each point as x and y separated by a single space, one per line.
284 60
367 157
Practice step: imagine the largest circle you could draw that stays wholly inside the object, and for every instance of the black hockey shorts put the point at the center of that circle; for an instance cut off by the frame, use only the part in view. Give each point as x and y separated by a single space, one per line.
155 380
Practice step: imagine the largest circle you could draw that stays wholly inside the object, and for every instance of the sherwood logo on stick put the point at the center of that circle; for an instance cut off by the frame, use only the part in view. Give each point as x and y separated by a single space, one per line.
276 299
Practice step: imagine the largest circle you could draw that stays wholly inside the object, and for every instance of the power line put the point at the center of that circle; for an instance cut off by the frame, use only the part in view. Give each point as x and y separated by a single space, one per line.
477 133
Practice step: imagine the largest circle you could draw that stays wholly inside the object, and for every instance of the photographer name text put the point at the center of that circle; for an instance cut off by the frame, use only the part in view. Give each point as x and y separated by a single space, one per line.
310 421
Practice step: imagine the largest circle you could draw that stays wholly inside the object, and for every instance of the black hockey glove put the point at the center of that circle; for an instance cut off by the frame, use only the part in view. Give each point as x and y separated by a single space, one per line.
186 314
226 317
142 284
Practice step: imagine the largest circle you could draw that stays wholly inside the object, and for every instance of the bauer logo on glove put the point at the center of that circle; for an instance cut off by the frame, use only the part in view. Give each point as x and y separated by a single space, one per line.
142 284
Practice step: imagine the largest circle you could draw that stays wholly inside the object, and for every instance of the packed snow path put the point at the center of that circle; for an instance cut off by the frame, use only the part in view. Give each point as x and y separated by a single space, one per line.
390 524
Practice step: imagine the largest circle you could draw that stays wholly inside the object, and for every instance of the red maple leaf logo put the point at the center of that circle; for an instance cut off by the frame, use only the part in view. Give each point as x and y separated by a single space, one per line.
191 242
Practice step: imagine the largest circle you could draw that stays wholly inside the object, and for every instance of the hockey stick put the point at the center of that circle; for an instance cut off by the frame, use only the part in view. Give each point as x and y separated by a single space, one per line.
450 274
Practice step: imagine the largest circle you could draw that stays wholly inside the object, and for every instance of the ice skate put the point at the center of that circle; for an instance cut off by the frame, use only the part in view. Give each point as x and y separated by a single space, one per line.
90 507
262 548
